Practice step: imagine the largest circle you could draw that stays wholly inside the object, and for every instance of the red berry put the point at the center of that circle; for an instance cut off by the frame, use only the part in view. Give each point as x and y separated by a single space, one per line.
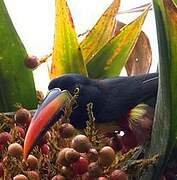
5 137
118 175
45 149
106 156
81 143
22 116
15 150
21 131
92 155
32 162
20 177
1 170
66 130
81 166
32 62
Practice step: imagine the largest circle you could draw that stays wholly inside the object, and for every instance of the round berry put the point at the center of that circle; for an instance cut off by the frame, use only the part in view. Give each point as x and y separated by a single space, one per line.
94 170
67 172
20 131
32 62
72 155
92 155
32 162
45 149
15 150
106 156
5 137
61 158
20 177
118 175
81 166
81 143
66 130
22 116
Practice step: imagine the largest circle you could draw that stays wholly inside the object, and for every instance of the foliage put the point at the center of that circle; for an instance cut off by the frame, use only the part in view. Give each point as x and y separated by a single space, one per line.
164 132
110 60
88 58
17 83
104 53
101 33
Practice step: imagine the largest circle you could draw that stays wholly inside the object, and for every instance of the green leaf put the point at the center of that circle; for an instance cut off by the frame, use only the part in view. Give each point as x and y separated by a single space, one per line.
110 60
101 33
164 131
67 57
16 81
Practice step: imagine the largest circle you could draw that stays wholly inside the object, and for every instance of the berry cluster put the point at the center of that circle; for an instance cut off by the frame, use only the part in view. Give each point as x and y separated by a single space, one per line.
64 153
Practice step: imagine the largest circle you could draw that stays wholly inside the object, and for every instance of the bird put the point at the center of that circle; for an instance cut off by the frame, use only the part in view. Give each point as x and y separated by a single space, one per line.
113 100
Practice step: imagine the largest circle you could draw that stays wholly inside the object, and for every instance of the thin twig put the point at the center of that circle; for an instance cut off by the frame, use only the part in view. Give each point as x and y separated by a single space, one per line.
136 9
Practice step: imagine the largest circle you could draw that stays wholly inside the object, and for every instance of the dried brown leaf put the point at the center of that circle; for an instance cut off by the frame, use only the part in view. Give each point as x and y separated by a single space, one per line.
140 59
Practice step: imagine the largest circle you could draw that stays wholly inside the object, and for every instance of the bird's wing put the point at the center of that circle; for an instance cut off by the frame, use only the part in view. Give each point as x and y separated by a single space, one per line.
123 94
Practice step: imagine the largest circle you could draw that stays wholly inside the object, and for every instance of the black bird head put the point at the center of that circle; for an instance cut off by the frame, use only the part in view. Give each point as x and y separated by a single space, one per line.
51 109
89 92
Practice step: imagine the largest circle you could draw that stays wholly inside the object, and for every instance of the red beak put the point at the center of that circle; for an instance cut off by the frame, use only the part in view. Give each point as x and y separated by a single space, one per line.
52 104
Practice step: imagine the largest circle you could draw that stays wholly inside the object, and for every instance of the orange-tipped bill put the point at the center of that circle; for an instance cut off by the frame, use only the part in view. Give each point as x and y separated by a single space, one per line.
44 117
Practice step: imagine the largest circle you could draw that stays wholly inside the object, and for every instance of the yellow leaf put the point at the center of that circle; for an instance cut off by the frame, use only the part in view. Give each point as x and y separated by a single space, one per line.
67 56
110 60
101 33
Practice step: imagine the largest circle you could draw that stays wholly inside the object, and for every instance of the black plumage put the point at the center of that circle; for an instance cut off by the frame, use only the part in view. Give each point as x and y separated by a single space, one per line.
112 98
